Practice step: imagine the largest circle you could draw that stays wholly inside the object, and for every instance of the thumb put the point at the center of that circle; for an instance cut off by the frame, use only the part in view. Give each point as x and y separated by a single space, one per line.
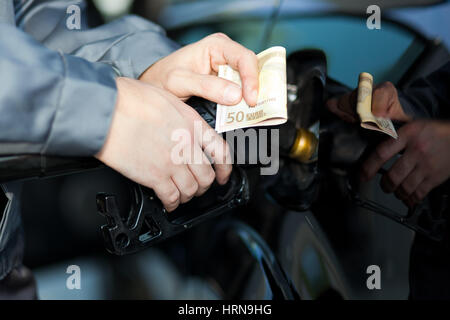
385 103
383 98
187 83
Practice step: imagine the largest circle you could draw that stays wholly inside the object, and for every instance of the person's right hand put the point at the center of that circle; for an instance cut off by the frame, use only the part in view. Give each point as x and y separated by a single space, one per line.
423 165
385 103
139 144
192 71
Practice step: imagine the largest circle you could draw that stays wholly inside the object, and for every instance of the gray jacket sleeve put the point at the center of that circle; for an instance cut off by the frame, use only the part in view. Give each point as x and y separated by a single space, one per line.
130 44
57 91
50 102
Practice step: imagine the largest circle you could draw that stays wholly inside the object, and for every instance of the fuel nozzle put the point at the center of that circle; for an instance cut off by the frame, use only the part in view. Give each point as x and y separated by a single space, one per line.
305 146
299 144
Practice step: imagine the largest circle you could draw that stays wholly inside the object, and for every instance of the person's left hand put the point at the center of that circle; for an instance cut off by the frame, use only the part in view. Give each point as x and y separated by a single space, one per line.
192 71
385 103
424 164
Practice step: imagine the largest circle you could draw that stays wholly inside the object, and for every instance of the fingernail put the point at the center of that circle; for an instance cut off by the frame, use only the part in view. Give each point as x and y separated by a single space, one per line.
232 94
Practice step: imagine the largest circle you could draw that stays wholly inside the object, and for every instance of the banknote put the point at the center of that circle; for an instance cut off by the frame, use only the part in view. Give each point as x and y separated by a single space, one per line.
364 108
272 95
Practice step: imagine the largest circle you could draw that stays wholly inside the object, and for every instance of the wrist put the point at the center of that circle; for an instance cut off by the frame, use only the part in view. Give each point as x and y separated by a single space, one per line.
152 75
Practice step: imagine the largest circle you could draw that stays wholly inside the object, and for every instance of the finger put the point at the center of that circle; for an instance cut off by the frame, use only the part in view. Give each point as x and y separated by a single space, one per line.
332 105
423 189
203 174
383 98
185 182
383 152
226 51
386 150
209 87
385 103
199 166
168 193
399 171
218 151
409 202
412 182
214 147
379 157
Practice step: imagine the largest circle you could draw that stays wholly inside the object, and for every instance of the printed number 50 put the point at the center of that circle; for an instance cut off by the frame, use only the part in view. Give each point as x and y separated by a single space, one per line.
239 117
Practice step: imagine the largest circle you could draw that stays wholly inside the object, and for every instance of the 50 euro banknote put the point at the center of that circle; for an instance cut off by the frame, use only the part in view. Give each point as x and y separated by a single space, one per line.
364 108
271 106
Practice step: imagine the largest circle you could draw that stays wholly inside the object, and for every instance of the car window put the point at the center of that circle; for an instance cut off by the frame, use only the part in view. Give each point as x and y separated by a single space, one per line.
349 45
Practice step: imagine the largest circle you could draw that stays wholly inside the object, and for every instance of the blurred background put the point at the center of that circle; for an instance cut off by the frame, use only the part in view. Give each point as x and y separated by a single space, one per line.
60 218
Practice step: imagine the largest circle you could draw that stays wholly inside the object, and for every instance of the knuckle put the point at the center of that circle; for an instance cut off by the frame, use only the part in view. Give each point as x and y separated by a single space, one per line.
220 151
223 155
172 197
171 80
206 181
250 54
388 85
209 178
406 189
381 152
379 91
245 57
219 35
423 190
393 177
419 194
191 189
387 88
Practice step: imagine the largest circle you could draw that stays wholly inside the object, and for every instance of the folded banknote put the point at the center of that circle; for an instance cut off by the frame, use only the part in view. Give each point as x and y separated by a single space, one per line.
270 108
364 108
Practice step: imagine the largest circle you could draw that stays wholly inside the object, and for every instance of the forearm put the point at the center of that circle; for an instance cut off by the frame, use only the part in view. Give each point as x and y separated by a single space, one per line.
51 103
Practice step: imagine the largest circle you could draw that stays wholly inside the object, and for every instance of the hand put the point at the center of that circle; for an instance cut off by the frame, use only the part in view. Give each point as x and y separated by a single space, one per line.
139 144
385 103
425 162
192 71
